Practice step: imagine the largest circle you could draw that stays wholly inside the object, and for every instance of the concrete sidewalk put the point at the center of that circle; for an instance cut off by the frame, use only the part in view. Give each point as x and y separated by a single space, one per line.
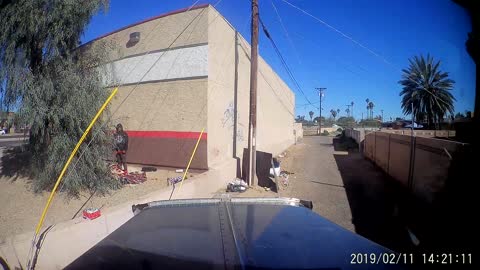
13 135
5 138
66 241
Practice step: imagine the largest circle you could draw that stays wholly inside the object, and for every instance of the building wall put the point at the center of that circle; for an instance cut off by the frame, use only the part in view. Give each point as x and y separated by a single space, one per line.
158 33
163 120
201 82
298 130
229 92
167 109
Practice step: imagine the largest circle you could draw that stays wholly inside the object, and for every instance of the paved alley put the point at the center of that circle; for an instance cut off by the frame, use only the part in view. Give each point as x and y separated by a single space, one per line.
345 188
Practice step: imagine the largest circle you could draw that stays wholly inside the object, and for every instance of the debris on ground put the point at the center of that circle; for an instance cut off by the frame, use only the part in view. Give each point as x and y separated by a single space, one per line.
149 169
91 213
237 185
266 188
179 170
276 165
134 178
285 180
284 175
277 171
284 154
174 180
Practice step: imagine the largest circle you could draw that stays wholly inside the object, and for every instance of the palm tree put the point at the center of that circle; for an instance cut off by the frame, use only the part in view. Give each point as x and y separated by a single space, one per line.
351 105
348 112
338 111
427 88
311 115
370 106
334 114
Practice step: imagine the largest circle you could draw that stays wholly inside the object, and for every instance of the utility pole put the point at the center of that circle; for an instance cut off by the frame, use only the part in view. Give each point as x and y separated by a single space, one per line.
382 115
351 104
252 127
320 94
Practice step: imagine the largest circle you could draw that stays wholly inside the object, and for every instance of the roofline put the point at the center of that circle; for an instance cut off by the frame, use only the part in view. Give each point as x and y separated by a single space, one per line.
147 20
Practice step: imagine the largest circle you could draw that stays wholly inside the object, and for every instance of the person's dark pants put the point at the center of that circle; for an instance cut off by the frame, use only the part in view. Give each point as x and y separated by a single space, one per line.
122 160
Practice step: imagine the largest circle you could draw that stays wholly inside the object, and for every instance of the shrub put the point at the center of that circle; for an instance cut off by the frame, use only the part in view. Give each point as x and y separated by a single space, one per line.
325 133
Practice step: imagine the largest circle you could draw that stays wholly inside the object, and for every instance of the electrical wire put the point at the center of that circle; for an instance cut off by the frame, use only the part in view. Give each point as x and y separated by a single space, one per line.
359 44
340 32
286 33
268 83
284 63
135 86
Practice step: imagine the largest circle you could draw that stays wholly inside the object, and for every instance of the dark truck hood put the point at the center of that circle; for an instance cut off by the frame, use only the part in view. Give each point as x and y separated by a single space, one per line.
230 233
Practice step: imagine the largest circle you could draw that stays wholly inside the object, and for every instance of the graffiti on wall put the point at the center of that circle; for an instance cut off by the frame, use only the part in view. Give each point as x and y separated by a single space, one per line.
228 121
228 116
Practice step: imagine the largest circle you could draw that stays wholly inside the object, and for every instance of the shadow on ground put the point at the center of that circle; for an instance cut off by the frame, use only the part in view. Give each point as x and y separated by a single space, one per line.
374 200
385 211
14 162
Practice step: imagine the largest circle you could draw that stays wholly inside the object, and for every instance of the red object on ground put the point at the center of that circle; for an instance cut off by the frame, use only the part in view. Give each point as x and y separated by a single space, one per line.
91 213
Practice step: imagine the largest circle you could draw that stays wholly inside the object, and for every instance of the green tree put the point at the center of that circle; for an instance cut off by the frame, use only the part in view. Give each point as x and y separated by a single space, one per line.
370 107
428 88
56 88
334 114
346 121
311 115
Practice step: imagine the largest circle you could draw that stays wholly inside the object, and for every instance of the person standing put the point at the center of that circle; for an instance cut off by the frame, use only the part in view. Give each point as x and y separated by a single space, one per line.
121 147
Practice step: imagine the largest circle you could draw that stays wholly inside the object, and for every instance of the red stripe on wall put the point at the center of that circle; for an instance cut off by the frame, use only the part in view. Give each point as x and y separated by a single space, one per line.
166 134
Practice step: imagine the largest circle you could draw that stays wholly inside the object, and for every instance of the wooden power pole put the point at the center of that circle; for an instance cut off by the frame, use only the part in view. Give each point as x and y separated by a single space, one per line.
252 127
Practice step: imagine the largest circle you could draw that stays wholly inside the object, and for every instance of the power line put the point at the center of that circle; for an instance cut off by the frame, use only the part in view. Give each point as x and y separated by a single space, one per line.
286 32
306 104
136 85
359 44
340 32
284 63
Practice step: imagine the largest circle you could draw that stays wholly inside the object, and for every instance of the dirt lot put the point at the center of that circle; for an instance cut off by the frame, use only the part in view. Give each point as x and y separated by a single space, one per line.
21 208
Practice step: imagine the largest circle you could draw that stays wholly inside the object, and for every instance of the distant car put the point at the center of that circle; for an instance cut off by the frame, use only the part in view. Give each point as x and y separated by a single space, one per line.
415 125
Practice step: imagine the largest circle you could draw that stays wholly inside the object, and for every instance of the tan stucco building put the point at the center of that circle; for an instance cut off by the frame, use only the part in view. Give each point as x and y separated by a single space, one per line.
196 75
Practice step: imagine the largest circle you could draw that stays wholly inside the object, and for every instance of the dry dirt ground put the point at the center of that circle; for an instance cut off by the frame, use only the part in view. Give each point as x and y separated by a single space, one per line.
21 208
315 177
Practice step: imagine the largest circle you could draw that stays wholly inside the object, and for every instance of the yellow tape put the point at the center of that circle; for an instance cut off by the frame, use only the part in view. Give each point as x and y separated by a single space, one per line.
191 158
44 213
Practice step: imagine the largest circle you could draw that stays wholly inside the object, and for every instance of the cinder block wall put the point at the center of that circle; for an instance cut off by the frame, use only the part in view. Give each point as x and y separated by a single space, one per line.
432 159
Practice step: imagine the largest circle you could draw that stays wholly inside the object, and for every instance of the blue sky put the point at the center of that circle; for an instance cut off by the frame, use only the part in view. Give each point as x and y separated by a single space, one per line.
321 57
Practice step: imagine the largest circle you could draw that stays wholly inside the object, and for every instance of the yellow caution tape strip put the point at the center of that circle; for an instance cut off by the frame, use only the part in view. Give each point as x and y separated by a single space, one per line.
191 158
44 213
